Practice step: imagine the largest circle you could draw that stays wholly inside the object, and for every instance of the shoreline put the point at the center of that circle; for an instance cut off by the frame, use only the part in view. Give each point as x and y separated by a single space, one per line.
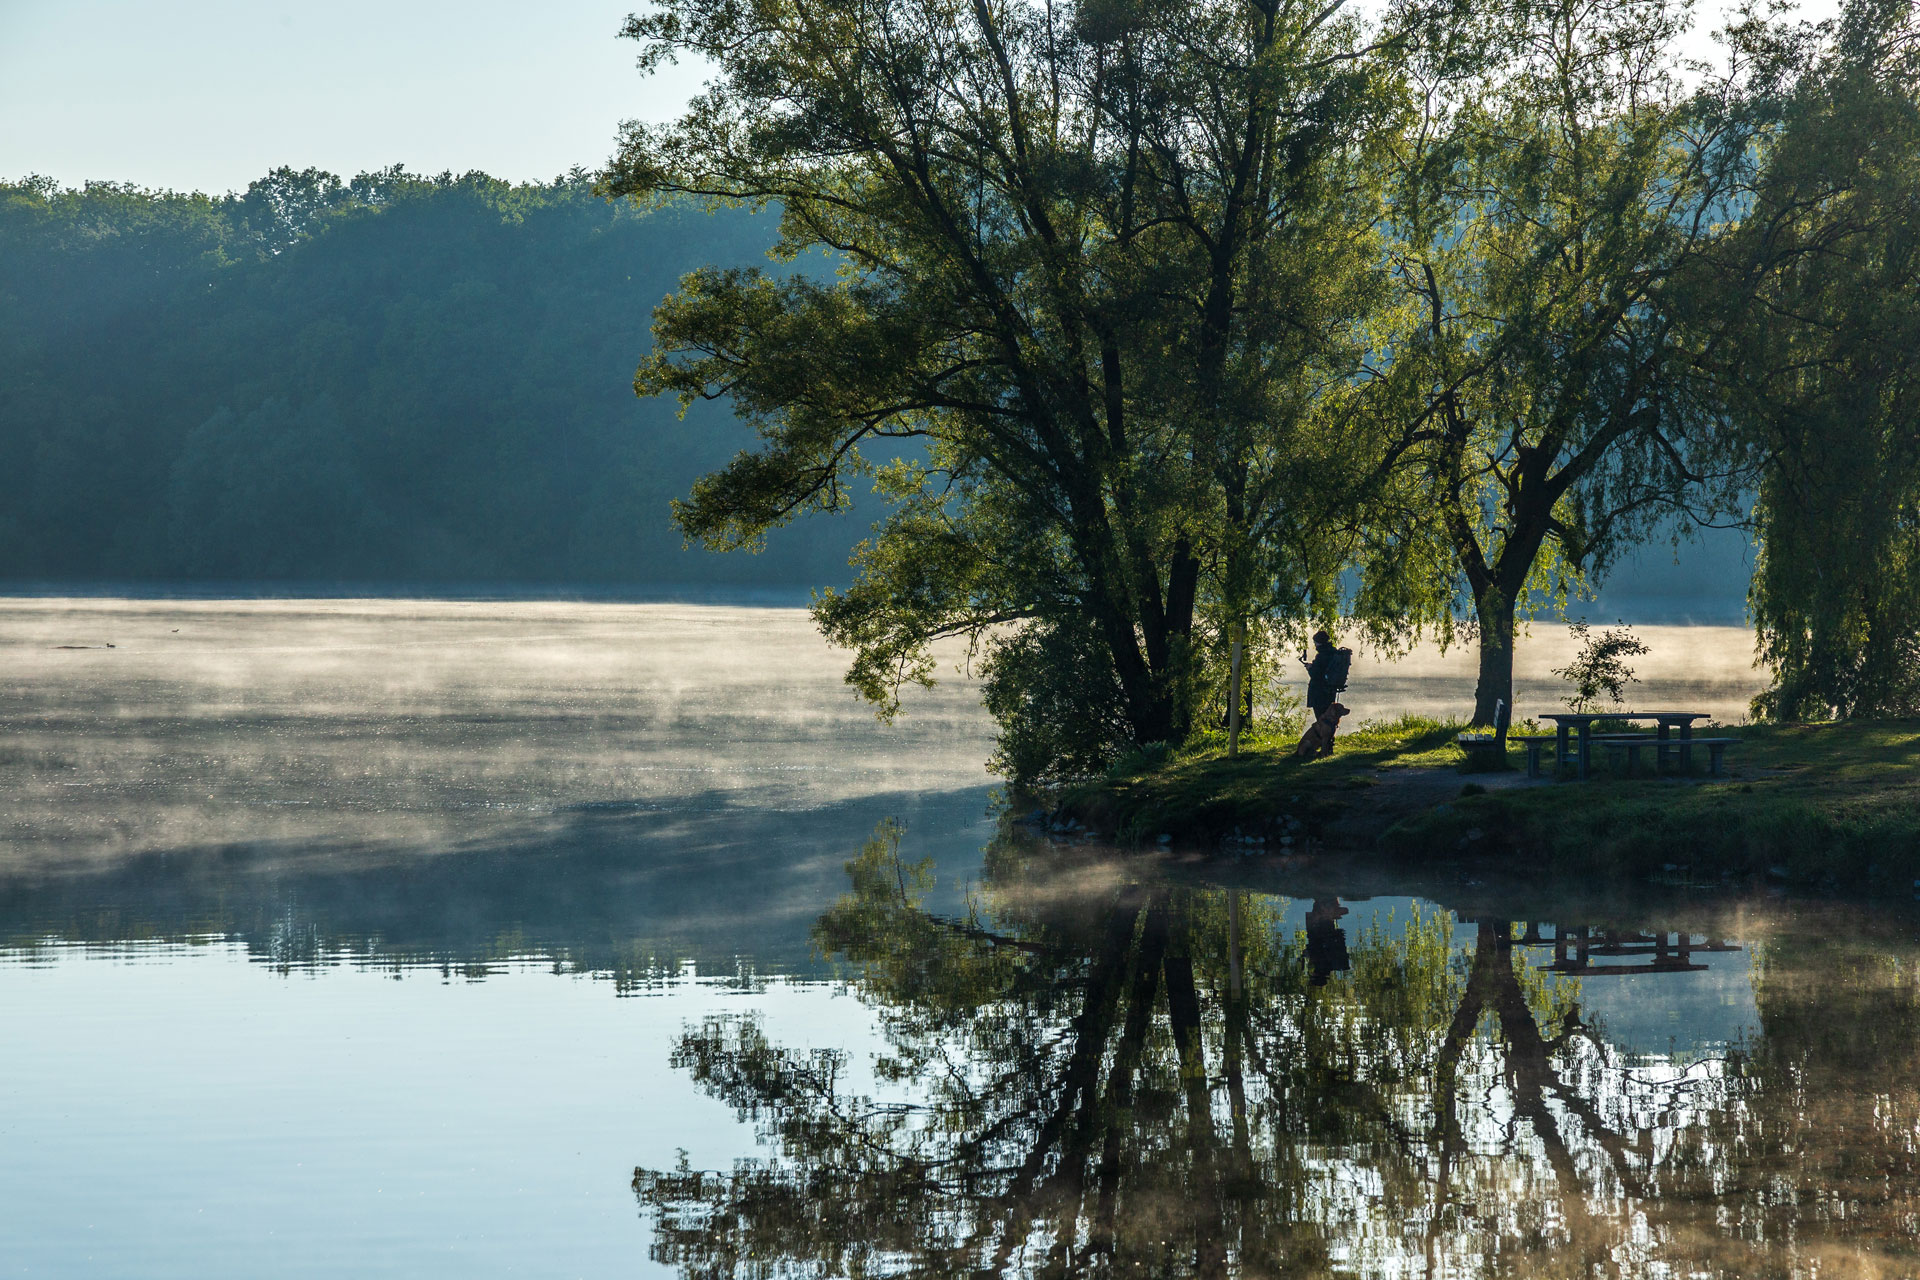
1827 806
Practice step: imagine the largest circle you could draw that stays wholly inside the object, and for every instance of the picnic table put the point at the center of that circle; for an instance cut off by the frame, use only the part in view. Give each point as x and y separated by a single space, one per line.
1581 723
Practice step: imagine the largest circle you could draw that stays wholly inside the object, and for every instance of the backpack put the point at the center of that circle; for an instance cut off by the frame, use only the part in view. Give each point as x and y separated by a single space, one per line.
1339 663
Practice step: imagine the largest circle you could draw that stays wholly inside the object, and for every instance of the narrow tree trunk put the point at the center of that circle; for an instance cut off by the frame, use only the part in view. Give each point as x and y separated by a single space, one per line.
1494 609
1233 694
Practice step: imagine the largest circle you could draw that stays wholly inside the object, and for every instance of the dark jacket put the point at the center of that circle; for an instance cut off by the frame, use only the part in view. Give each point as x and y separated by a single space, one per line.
1320 688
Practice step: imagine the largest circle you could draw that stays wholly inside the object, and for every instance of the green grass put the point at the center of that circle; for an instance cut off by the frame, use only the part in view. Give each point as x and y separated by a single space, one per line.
1819 804
1200 792
1823 803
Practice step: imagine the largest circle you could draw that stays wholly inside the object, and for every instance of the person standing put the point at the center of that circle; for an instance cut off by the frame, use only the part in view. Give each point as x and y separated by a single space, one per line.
1326 673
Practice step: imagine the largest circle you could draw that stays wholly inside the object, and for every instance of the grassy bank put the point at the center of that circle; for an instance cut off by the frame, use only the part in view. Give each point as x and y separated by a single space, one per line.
1825 803
1200 793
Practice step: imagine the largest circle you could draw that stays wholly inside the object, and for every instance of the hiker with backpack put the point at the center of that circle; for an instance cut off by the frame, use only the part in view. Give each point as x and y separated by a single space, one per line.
1326 673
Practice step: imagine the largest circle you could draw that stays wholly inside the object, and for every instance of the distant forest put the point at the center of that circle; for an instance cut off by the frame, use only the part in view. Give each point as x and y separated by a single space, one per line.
394 378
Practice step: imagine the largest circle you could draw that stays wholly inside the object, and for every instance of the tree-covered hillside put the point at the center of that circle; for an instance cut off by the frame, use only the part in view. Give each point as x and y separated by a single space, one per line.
395 378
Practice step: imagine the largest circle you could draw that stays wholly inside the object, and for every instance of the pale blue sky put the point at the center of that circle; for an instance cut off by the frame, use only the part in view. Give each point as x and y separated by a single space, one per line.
210 94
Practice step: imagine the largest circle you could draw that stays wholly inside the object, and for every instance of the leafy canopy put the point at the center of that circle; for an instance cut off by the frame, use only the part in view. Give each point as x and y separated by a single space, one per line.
1822 287
1555 202
1095 331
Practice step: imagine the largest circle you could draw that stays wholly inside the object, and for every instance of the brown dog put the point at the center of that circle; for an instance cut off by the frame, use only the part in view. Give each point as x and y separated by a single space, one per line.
1318 739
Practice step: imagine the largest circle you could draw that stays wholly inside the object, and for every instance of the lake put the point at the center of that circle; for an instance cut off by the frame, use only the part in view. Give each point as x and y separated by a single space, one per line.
411 938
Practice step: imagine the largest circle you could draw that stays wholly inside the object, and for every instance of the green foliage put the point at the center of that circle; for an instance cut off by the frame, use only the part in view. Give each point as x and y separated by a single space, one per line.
1062 715
1549 204
1825 372
1100 274
274 494
1600 667
1140 760
395 377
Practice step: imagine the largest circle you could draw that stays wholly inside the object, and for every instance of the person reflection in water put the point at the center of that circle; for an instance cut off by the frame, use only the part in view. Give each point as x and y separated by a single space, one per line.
1326 941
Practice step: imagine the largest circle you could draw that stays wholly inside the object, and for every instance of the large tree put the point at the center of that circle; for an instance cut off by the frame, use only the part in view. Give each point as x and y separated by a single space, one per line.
1558 189
1098 271
1823 373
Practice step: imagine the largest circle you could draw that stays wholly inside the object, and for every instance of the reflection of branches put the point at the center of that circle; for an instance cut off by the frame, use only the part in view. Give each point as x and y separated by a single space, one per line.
1154 1083
1076 1085
1120 1081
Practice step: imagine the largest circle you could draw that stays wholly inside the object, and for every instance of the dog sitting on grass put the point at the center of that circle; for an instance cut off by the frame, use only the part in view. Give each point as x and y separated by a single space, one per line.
1318 739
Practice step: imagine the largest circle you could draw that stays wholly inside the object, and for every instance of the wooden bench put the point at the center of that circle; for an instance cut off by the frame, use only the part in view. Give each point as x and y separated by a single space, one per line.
1488 750
1632 744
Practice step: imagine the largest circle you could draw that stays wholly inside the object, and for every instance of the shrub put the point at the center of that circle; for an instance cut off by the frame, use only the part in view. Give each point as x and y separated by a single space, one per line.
1600 667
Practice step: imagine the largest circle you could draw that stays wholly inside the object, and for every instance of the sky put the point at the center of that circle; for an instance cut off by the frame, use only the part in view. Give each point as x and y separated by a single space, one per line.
210 94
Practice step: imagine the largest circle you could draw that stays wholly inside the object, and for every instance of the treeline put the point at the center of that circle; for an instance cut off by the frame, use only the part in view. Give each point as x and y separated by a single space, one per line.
396 378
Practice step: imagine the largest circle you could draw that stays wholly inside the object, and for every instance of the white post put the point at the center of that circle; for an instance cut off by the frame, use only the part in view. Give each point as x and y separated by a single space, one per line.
1233 695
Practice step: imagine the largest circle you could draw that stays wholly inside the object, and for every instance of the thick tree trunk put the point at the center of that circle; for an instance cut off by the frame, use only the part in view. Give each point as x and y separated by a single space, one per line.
1157 706
1494 609
1153 712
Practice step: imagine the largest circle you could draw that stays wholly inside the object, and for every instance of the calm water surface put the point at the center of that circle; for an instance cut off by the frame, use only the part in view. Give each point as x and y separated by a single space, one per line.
422 939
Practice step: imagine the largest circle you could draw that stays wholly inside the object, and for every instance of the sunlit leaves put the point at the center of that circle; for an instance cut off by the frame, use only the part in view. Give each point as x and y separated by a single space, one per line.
1098 266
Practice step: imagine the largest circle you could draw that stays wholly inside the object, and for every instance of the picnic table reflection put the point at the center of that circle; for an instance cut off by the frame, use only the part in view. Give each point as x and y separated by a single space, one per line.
1575 946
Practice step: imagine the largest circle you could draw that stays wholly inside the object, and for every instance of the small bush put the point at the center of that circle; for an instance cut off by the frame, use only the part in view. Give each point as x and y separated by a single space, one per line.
1052 688
1140 760
1600 667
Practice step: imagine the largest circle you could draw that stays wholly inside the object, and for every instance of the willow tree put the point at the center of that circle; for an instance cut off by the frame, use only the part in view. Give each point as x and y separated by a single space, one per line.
1099 267
1824 368
1558 192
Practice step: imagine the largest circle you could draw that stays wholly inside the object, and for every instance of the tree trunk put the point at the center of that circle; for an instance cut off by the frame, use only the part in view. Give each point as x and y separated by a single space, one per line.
1150 680
1233 696
1494 609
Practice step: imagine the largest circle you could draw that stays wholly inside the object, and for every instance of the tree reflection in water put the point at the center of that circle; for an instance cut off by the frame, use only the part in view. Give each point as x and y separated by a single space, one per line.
1111 1073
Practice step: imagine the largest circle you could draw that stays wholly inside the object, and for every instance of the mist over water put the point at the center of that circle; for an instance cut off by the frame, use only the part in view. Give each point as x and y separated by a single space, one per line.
1689 668
441 726
434 725
229 832
419 778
